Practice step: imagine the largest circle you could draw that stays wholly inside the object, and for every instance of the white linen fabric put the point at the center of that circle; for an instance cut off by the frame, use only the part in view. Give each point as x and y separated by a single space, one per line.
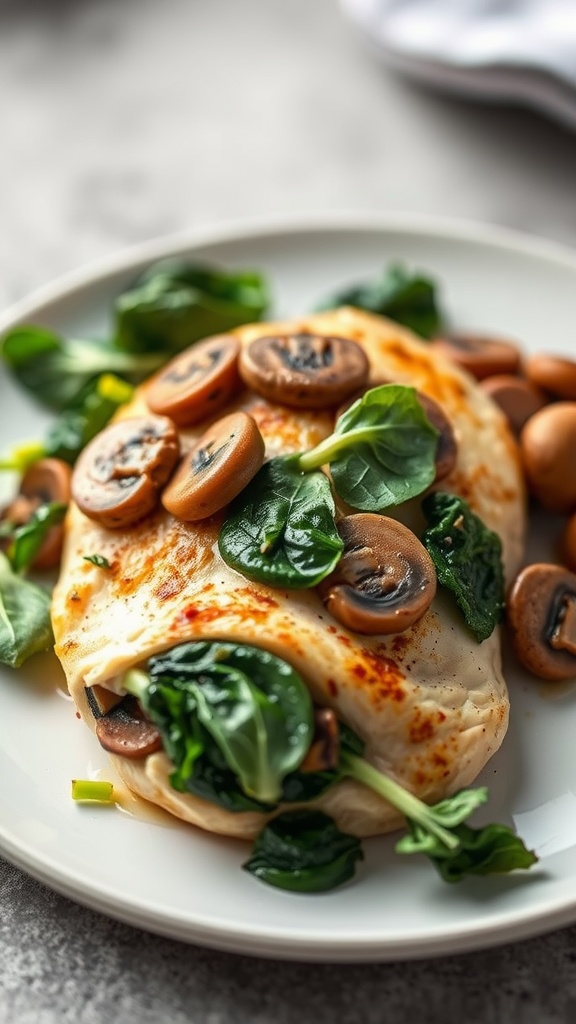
524 49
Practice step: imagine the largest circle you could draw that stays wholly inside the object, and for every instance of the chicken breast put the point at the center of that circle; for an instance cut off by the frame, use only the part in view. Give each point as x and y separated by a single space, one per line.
430 703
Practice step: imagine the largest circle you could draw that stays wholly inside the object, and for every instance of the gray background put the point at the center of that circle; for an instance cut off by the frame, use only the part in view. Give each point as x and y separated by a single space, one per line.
126 119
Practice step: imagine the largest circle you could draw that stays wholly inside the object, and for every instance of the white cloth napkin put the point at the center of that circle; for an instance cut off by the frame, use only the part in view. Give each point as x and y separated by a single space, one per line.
524 49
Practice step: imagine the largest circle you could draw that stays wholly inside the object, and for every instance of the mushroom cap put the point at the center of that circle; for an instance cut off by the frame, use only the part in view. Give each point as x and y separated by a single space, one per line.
309 371
198 382
385 580
481 355
220 464
118 476
556 374
45 481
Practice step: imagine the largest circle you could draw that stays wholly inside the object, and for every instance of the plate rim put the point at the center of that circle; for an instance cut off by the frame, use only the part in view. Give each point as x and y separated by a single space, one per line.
258 941
267 227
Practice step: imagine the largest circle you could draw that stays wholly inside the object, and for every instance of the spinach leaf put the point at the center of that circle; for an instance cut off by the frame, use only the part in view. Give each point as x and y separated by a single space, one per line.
410 299
281 530
56 370
175 303
468 560
86 417
382 451
25 627
254 706
482 851
301 787
27 540
304 851
439 831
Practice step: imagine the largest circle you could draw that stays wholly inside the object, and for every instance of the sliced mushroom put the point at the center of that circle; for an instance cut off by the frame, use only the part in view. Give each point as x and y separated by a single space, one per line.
518 399
447 446
385 580
217 468
309 371
126 730
198 382
45 481
481 355
541 614
119 475
324 751
556 374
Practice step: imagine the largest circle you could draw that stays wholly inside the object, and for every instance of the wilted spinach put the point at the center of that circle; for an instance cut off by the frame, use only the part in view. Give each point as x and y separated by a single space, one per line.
58 370
172 305
175 303
304 851
254 706
281 529
382 451
26 540
409 299
25 627
468 560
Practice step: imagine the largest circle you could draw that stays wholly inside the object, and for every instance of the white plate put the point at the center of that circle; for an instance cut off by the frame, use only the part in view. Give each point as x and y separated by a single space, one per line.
177 881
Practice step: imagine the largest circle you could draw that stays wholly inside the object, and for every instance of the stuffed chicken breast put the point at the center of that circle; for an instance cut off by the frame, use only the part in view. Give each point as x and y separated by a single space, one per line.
426 697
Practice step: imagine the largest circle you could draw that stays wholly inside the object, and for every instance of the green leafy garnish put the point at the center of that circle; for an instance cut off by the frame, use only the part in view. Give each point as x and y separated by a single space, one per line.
439 832
25 627
86 417
56 370
468 560
281 529
27 540
382 451
304 851
409 299
174 304
98 560
252 705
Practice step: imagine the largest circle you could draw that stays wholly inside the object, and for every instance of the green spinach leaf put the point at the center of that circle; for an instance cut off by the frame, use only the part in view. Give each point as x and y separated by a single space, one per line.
382 451
56 370
253 705
468 560
304 851
175 304
409 299
86 417
25 627
440 831
281 529
27 540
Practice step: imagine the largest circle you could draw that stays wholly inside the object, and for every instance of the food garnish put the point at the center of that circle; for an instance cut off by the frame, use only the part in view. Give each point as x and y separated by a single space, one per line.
119 475
92 790
100 561
408 298
219 465
385 580
468 560
308 371
481 355
198 382
25 627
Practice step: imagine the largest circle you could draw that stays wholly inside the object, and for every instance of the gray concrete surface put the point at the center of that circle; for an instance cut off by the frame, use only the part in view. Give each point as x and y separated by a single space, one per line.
125 119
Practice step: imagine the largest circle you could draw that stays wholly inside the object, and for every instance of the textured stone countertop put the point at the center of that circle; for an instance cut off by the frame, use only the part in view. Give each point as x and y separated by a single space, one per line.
127 119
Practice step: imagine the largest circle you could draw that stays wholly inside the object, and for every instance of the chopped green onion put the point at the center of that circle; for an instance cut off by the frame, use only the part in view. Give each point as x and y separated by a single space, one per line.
87 789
